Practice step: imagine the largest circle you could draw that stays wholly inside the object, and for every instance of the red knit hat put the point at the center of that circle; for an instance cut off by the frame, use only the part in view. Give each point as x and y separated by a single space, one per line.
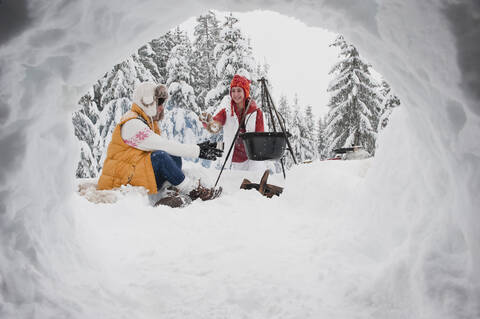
242 82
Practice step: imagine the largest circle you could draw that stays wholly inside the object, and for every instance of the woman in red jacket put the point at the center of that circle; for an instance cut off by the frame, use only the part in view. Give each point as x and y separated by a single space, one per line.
240 104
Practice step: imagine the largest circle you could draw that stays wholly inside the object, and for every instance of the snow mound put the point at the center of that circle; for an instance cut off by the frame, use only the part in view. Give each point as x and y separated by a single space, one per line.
87 188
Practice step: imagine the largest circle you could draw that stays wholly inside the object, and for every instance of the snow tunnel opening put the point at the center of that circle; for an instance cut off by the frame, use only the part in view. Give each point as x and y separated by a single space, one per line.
61 282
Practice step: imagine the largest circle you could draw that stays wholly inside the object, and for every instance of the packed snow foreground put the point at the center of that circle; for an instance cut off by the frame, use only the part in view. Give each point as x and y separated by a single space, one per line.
300 255
407 245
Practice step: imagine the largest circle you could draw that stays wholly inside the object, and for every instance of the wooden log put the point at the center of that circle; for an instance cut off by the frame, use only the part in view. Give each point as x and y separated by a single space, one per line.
246 184
263 182
267 190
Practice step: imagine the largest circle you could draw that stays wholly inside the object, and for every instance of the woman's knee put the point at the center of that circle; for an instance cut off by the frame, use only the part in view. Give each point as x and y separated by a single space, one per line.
159 154
177 160
162 159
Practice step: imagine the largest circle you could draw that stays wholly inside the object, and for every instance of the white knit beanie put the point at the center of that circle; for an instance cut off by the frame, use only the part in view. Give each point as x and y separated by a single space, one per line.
144 97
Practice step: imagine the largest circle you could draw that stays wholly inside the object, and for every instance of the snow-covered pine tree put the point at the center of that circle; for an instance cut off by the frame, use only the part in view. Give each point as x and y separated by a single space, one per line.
234 55
308 135
206 38
302 141
87 133
321 145
162 47
258 71
180 91
149 59
284 109
262 72
296 129
390 101
354 101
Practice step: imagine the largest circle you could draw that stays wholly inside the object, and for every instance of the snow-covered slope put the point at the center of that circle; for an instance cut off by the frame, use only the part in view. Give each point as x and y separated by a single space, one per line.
417 214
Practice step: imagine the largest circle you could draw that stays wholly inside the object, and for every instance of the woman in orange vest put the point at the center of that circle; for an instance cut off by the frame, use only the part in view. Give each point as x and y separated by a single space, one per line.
138 155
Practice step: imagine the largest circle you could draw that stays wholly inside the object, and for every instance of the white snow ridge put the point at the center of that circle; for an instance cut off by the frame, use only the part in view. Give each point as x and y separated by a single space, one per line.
396 236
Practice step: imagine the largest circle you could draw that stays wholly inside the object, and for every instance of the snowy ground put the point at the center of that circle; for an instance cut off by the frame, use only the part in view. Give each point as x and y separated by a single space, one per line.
240 256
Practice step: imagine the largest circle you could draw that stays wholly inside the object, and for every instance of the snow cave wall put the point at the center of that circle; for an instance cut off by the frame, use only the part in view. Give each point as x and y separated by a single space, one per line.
422 188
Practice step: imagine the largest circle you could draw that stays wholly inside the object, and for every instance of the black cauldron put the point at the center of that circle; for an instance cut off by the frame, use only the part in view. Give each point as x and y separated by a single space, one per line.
262 146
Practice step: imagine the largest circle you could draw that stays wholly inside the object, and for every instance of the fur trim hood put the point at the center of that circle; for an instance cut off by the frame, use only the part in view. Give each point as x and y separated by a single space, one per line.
147 95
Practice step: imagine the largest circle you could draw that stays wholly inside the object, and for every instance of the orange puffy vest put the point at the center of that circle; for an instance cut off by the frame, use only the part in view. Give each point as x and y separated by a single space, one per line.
125 164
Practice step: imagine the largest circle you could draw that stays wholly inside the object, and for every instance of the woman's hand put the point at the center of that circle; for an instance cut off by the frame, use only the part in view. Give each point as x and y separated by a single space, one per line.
205 117
209 123
209 151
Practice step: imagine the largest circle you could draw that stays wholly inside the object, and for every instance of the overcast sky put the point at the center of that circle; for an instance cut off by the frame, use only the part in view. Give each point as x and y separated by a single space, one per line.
299 56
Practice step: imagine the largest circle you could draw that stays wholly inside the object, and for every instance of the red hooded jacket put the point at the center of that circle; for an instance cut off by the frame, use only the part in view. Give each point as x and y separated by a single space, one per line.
239 154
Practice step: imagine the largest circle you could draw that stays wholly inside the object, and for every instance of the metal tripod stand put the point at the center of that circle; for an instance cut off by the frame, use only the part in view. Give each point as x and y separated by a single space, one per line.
268 102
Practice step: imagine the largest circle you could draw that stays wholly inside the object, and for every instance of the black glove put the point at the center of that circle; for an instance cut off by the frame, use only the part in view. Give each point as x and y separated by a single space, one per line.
209 151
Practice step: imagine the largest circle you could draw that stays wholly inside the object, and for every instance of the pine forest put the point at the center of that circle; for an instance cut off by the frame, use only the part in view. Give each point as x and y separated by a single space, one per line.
198 72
